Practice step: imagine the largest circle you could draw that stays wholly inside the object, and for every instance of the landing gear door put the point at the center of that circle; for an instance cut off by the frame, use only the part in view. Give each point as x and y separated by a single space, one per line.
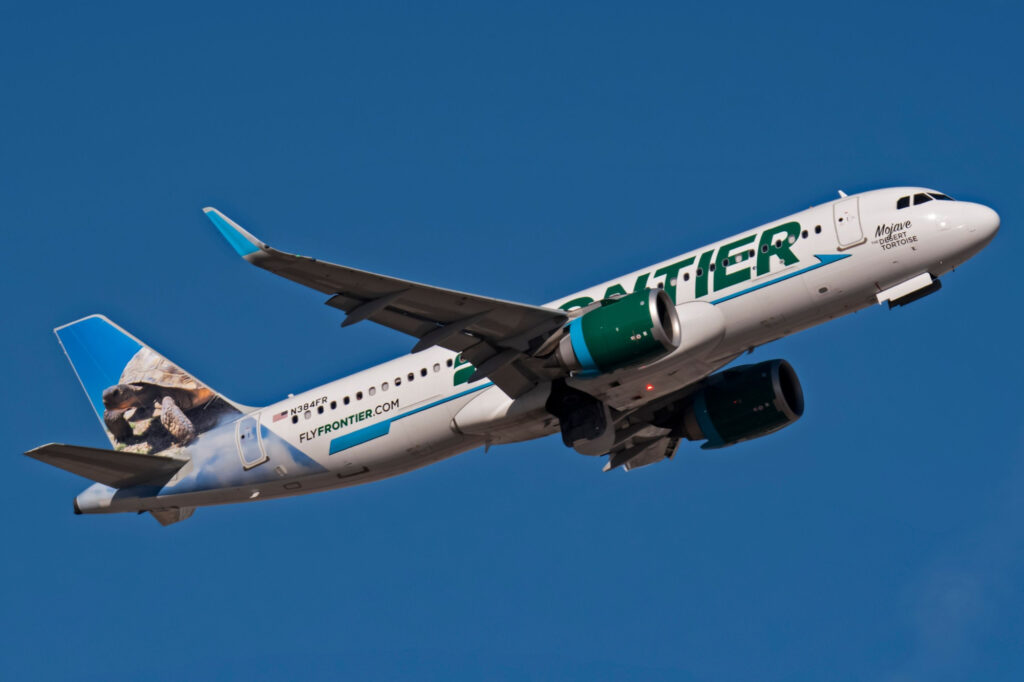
250 445
847 220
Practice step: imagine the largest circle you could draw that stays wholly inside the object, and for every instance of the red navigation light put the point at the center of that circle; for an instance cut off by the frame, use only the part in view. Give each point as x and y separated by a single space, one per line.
650 387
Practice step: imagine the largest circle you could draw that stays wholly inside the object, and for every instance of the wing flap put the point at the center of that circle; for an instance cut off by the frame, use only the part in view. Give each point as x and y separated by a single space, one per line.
642 453
117 469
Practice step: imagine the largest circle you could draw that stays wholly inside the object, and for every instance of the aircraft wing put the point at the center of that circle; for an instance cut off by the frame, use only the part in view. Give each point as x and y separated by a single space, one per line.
498 337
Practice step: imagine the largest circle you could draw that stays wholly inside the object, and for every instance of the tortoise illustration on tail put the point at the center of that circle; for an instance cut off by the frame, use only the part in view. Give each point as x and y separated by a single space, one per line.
149 380
147 403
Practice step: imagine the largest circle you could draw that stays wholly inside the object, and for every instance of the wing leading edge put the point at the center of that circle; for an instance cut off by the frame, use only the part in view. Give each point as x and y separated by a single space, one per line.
498 337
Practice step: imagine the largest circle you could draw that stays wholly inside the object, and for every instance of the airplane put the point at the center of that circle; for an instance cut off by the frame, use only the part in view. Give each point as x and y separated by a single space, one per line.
625 370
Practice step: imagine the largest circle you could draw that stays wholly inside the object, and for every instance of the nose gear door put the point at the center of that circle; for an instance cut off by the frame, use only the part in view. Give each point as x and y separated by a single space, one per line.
250 445
847 220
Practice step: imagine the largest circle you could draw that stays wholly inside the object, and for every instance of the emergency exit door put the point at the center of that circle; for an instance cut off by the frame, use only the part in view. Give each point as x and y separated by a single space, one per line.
847 220
250 445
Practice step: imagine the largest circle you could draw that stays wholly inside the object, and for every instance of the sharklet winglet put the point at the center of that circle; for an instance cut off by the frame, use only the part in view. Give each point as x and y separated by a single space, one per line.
241 241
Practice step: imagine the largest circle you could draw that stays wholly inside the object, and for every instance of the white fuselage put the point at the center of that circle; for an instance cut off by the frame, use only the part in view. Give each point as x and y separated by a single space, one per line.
733 295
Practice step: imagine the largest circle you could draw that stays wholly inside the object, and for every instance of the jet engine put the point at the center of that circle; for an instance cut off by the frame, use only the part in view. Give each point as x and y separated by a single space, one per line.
738 404
620 332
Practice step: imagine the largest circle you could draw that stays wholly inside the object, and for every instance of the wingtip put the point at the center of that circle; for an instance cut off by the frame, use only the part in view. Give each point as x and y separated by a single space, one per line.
34 452
241 241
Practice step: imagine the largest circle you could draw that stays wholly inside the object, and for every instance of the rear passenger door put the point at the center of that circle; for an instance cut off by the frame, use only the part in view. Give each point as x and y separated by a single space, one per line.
250 445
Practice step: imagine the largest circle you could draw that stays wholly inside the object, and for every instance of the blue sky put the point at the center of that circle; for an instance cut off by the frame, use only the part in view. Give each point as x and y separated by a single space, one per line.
521 152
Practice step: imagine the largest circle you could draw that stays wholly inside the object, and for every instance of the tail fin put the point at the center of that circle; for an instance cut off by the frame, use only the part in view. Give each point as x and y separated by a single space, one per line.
145 402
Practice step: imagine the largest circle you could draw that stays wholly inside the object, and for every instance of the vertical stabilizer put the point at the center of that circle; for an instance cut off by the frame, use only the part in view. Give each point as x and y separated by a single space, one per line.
145 402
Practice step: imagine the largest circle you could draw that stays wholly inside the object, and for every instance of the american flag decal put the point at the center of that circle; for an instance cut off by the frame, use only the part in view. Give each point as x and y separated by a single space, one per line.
281 415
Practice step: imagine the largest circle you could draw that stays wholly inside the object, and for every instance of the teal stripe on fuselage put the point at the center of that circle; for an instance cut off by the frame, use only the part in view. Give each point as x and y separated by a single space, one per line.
369 433
823 260
350 440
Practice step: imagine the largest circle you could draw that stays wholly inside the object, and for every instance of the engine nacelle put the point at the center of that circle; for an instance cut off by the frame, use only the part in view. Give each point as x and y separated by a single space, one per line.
743 403
624 331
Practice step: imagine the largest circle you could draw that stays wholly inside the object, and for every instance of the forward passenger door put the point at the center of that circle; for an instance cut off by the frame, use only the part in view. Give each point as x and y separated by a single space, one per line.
847 222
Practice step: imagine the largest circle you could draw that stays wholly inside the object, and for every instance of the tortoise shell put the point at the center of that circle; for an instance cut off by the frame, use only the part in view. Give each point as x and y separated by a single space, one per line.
147 367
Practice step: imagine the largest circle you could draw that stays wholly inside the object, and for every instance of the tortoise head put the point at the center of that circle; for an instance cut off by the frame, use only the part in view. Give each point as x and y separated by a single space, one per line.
122 396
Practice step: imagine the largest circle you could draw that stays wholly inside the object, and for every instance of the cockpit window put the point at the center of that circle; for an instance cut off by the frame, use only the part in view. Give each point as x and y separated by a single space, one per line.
921 198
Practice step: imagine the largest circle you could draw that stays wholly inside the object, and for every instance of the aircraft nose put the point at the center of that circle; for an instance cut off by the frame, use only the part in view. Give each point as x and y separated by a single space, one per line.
984 222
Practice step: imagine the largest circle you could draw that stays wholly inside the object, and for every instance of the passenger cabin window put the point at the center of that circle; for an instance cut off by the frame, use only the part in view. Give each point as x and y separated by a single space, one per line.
921 198
902 203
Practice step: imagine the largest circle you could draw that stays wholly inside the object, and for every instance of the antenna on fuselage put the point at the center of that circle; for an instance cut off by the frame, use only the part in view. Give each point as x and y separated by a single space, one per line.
842 194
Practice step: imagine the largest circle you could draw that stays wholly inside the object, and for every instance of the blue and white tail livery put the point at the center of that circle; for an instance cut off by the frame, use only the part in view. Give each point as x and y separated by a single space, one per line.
129 385
627 369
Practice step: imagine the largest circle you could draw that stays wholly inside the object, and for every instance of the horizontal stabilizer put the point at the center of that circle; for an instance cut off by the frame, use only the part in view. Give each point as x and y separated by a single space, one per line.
109 467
